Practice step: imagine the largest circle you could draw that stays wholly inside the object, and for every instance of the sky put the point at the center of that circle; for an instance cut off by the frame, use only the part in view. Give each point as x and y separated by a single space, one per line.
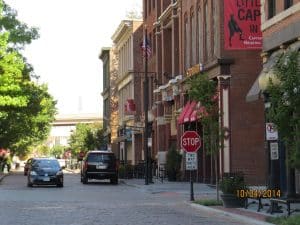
72 33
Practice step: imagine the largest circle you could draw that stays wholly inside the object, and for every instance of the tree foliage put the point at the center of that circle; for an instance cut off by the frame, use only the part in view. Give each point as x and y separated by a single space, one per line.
57 151
20 33
204 90
26 108
87 137
284 97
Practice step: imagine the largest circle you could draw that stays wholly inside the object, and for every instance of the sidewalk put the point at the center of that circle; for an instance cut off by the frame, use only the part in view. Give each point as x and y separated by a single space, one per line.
203 191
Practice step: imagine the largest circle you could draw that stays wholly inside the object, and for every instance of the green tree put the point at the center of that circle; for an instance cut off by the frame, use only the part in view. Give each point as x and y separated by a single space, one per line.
204 90
20 33
26 108
284 97
42 150
87 137
57 151
284 110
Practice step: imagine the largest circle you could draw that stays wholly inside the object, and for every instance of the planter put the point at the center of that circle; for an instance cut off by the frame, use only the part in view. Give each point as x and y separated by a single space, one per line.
232 201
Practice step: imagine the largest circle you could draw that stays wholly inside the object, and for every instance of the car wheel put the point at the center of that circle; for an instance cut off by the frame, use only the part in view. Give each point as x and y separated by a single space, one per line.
60 184
84 180
29 184
114 180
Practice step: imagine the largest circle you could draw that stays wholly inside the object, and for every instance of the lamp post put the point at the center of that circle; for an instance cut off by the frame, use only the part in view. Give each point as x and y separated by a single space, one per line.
146 99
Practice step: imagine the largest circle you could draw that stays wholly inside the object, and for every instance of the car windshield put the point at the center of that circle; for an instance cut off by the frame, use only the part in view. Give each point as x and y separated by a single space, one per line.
100 158
47 163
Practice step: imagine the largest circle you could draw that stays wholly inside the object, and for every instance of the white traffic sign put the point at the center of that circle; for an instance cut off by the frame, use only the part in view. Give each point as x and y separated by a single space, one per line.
271 132
274 151
191 162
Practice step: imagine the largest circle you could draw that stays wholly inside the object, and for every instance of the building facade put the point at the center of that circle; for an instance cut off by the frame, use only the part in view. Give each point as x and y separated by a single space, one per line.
109 57
127 39
188 37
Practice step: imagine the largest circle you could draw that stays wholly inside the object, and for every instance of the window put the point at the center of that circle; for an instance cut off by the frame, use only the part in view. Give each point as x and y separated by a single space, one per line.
271 8
215 28
145 9
207 32
149 6
186 43
200 35
153 46
288 4
193 37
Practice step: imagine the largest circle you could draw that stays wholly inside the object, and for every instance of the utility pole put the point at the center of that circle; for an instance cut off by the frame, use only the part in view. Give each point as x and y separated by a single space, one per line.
146 99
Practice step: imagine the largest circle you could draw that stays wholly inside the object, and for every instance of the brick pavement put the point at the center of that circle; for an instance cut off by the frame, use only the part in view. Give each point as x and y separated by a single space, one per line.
204 191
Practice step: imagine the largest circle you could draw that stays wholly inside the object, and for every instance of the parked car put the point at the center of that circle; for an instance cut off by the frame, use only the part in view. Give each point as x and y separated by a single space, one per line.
45 171
99 165
26 166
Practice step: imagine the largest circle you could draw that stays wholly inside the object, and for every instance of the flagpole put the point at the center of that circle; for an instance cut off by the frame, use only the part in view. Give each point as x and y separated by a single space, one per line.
146 99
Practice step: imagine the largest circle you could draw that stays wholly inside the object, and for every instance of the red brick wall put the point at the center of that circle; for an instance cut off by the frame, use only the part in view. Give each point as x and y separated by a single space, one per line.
281 25
246 119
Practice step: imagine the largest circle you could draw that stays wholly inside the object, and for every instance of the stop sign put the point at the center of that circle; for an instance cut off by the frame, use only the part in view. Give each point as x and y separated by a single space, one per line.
190 141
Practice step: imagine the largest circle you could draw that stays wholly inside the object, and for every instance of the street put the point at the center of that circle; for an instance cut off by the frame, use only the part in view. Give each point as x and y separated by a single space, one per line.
96 203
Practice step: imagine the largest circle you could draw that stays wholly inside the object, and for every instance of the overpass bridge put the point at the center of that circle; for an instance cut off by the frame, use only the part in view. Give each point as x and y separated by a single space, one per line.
73 119
64 125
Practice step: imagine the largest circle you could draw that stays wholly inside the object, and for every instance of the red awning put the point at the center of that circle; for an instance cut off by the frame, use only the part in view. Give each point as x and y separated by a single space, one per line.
184 110
194 115
189 111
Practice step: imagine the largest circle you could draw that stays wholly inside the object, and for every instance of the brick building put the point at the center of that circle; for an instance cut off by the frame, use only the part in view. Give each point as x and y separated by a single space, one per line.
188 37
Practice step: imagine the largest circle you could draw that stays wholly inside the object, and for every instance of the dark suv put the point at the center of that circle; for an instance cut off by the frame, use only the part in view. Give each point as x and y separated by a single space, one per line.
99 165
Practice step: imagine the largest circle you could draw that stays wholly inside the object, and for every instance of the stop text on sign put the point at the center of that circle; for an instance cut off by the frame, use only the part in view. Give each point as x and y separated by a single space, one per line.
190 141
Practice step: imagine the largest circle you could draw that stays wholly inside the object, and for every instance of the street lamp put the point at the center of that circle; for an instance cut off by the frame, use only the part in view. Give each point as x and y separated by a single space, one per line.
146 99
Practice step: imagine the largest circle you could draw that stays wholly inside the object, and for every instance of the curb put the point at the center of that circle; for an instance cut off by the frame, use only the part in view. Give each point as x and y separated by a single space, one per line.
240 217
2 176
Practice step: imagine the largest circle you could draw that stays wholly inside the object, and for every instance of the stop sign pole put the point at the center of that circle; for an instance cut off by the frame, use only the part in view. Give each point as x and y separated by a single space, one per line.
190 143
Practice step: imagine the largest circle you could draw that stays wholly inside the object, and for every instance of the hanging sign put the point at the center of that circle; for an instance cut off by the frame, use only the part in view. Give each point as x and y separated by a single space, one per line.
242 24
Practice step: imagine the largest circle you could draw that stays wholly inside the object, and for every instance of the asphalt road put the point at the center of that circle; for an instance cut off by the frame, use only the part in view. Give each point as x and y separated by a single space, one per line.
98 203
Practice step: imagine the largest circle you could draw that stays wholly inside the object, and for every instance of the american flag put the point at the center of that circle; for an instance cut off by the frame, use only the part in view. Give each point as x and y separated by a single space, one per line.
146 48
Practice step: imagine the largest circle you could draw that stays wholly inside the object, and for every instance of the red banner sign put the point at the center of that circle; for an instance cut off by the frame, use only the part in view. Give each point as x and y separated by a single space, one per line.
242 24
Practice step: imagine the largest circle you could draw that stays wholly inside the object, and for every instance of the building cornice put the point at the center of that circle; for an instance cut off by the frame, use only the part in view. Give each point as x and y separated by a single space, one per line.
104 51
123 28
166 14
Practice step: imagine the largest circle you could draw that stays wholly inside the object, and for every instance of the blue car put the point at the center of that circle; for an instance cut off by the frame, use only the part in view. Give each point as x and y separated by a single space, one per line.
45 171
